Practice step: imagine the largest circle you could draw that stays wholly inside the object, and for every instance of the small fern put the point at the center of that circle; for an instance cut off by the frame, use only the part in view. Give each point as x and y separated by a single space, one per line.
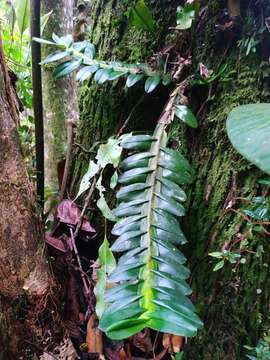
150 277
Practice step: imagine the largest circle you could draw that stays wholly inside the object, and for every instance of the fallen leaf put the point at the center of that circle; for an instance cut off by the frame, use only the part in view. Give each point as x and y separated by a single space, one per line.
172 343
69 213
94 336
62 244
143 342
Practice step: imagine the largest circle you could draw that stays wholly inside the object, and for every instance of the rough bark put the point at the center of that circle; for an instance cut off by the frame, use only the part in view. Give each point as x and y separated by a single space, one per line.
23 268
234 312
60 96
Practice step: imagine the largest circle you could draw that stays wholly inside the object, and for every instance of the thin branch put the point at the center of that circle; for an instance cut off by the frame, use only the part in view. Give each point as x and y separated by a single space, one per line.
123 127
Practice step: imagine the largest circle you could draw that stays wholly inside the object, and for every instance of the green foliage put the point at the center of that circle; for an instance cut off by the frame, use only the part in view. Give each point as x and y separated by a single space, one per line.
261 351
248 127
107 154
140 16
213 76
186 15
23 15
223 256
185 114
107 265
150 278
81 56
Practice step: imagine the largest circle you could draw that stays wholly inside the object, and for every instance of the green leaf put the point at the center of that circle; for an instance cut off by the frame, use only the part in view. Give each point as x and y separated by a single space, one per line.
219 265
85 182
44 20
65 41
151 83
248 128
23 15
102 204
86 71
107 265
66 68
185 114
132 79
55 57
114 180
109 153
186 15
166 79
140 16
216 254
150 277
44 41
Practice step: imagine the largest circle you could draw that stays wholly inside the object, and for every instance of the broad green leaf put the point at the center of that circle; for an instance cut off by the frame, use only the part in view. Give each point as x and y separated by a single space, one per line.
186 15
55 57
151 83
248 128
109 153
140 16
23 15
185 114
85 182
66 68
107 265
86 71
151 289
102 204
102 75
219 265
132 79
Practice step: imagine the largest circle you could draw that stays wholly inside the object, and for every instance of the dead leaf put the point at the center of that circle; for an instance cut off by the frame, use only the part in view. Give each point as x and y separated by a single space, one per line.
172 343
69 213
94 336
63 243
143 342
65 351
204 71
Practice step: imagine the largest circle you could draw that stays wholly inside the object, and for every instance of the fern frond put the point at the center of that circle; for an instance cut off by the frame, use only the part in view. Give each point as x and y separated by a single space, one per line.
151 288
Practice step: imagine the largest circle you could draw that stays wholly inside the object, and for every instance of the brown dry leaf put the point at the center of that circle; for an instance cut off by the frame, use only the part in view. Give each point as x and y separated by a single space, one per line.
69 213
204 71
172 343
94 339
65 351
142 341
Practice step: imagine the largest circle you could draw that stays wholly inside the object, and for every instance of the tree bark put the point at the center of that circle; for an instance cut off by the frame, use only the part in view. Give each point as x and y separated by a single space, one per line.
60 97
234 312
24 279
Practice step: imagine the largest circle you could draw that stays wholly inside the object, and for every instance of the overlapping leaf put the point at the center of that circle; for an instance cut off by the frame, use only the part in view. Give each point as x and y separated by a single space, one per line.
150 278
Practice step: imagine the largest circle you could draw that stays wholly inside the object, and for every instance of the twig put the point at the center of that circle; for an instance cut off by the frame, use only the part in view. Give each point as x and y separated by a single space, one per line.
70 125
121 130
86 203
83 276
91 150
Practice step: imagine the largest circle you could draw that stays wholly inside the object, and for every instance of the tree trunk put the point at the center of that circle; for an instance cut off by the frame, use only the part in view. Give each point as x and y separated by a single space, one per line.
60 97
23 268
233 302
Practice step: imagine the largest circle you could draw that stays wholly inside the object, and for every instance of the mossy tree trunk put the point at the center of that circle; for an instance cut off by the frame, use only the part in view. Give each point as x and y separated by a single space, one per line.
59 96
234 301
